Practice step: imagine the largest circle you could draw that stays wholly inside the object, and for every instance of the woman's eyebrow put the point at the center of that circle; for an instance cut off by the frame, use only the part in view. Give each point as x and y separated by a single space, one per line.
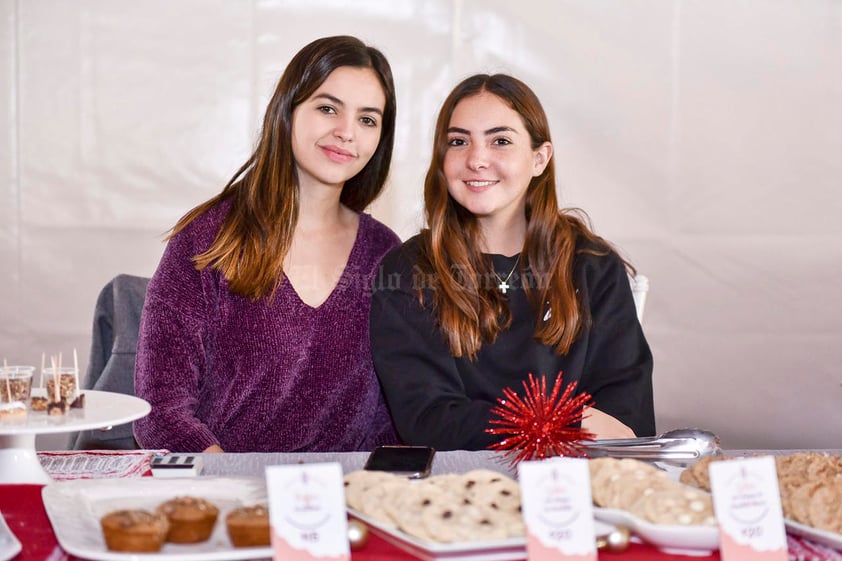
493 130
335 100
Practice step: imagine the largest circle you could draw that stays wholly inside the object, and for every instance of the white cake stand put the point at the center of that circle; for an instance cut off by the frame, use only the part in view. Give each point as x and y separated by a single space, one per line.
18 459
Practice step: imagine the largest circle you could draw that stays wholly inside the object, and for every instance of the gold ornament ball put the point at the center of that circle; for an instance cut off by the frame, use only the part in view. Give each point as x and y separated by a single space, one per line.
357 534
615 541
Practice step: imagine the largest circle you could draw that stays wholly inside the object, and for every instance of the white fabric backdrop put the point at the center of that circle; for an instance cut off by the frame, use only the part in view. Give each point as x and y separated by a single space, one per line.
703 137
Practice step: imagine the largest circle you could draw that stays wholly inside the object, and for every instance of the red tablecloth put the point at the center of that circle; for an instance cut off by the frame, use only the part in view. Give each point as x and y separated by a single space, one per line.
23 509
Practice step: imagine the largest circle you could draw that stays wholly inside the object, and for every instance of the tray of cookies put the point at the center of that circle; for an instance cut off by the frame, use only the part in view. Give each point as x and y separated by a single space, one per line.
191 519
475 515
660 510
810 485
471 516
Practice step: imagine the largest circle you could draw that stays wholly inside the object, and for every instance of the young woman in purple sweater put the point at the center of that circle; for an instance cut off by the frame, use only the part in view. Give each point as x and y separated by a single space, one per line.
254 335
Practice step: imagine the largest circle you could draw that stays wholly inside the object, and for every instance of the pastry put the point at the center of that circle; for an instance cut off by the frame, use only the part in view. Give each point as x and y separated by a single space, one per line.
134 530
191 519
13 410
248 526
38 403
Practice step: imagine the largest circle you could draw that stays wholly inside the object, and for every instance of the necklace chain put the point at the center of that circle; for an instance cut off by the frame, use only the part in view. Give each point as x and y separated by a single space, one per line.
504 283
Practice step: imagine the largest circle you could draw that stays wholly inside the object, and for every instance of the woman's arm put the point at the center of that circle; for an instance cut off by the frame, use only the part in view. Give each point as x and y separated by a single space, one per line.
602 425
423 388
618 368
171 355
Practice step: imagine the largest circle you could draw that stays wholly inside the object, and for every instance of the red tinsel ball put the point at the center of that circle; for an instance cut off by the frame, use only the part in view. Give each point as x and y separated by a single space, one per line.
538 426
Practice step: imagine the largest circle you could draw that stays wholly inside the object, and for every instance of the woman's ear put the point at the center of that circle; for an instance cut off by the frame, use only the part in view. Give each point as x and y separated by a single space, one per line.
543 154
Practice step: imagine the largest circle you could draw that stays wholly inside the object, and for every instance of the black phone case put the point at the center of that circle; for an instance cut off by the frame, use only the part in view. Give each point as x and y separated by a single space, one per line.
411 461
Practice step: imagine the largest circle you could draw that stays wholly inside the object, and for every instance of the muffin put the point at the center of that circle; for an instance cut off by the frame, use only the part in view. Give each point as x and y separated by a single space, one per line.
134 530
191 519
248 526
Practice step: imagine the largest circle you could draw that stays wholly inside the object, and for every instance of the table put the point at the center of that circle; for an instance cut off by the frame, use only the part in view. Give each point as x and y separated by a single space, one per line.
24 511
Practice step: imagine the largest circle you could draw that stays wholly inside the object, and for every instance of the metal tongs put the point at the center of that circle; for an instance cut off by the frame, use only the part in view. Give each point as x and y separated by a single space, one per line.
681 447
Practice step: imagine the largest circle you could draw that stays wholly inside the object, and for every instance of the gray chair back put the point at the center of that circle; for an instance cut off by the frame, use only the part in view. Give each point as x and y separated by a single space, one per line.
113 349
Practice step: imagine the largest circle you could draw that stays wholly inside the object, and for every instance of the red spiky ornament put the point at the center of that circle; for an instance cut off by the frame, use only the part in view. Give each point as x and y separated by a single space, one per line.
538 426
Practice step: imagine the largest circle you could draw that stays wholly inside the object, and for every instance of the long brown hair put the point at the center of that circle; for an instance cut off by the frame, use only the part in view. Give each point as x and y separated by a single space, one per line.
469 310
256 234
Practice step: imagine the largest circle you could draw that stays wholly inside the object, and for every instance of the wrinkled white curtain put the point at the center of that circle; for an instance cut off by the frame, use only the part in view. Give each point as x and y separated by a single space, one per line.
703 138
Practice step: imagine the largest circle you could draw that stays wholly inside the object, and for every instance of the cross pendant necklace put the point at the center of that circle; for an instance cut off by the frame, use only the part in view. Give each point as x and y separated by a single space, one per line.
504 283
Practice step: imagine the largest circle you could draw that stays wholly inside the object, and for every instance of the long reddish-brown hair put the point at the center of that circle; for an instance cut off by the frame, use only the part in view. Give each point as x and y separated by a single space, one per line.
470 310
251 245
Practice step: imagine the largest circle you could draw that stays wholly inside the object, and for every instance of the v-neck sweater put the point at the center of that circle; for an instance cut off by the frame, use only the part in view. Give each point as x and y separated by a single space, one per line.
269 375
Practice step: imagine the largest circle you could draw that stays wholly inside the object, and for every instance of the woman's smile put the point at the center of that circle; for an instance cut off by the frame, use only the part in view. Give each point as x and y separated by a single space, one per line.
337 154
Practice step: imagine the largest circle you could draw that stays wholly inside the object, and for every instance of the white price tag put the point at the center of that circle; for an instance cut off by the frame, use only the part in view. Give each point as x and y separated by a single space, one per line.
307 512
558 510
748 508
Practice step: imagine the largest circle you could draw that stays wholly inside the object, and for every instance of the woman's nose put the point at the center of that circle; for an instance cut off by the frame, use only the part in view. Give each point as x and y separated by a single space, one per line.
344 129
477 157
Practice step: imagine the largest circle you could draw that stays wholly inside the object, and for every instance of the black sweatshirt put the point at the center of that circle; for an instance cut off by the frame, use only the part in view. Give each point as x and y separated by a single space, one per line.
444 402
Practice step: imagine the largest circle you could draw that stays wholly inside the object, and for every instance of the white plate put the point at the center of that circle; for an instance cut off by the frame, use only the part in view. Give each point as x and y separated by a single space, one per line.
686 540
9 544
101 409
815 535
75 507
497 550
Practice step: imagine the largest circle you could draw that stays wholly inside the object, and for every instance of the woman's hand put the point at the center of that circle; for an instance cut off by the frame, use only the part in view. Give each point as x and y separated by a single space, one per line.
604 425
213 449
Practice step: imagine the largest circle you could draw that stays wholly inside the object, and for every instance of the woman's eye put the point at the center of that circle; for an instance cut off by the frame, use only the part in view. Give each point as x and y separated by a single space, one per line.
456 142
327 109
368 121
502 141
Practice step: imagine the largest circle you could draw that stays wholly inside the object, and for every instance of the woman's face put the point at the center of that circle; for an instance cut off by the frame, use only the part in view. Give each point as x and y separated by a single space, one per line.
335 132
490 160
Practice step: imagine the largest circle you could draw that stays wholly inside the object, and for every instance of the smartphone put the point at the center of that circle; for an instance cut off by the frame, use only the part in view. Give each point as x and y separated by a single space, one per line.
413 462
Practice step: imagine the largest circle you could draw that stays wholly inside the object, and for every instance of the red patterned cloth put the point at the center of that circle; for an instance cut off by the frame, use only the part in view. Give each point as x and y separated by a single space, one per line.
803 550
98 464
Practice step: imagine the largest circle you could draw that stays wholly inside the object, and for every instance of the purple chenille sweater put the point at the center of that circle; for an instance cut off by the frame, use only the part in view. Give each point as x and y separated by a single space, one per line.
275 375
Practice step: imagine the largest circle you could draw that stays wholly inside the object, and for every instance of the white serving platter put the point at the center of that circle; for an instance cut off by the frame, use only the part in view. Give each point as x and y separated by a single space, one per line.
678 539
815 535
497 550
75 508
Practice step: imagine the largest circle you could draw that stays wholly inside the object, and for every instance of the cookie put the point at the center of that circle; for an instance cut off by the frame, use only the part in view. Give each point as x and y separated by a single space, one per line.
478 505
357 484
625 476
407 509
677 505
629 489
480 477
448 519
698 475
798 502
502 495
825 509
373 501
